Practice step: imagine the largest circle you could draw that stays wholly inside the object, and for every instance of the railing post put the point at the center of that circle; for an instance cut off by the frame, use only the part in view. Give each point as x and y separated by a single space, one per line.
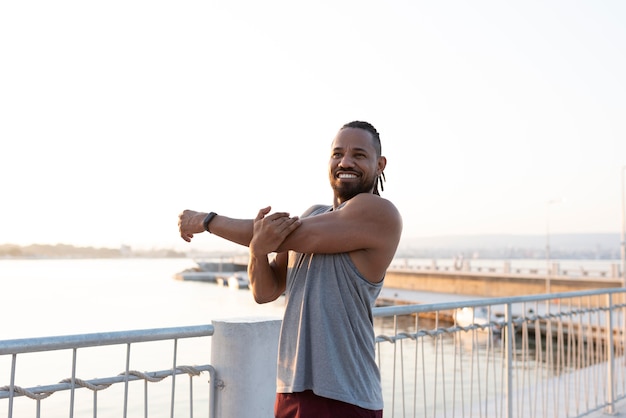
243 352
610 364
508 315
615 271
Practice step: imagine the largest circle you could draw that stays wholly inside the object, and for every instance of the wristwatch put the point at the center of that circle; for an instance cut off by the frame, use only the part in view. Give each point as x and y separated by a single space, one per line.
208 220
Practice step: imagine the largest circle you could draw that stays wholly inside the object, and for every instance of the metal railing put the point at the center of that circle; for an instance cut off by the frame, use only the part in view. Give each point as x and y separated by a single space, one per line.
556 355
16 349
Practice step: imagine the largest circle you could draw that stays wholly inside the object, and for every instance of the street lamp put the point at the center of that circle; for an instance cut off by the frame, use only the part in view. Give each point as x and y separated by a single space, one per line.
623 243
548 268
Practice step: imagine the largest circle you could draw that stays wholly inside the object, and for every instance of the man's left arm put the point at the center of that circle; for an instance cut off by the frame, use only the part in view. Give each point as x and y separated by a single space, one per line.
365 222
367 227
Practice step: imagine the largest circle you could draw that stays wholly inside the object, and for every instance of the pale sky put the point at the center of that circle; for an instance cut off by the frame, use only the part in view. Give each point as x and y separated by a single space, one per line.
116 115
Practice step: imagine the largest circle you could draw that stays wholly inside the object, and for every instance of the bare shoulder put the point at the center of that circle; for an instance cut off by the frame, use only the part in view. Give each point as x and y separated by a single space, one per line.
375 219
380 226
374 208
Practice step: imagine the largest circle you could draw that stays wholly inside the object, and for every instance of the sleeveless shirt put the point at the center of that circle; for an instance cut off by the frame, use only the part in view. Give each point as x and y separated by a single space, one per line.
327 337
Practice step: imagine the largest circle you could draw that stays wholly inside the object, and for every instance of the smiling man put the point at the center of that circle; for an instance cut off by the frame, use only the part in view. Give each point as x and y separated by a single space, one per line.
330 263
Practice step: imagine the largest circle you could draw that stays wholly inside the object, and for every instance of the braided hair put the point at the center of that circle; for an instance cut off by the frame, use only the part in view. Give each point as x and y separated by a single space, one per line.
370 128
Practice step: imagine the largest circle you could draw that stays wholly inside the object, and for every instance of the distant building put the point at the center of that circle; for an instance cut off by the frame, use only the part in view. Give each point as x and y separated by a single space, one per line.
125 250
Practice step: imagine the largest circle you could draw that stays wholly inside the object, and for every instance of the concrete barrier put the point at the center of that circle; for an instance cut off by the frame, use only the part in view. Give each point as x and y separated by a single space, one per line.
243 352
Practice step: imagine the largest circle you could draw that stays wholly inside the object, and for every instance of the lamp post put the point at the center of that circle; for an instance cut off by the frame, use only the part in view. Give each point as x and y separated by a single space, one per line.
548 268
623 243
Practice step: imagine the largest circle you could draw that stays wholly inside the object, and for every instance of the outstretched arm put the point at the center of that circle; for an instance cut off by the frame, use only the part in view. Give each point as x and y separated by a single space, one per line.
263 235
238 231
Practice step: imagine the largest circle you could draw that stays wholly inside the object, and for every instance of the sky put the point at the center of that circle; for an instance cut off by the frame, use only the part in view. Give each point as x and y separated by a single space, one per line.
495 117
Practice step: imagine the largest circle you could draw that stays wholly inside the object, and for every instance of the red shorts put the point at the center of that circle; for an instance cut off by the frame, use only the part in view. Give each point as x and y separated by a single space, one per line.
308 405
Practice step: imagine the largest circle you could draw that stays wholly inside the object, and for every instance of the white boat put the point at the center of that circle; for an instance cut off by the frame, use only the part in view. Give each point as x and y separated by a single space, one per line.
211 271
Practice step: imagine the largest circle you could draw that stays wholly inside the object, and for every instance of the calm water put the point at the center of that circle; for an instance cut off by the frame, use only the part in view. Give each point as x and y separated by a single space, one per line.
56 297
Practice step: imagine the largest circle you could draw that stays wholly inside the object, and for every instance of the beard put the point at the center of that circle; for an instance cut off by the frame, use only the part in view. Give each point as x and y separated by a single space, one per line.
346 191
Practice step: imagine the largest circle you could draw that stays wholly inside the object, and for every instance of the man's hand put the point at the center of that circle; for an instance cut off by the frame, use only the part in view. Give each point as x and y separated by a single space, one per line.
267 282
190 222
270 231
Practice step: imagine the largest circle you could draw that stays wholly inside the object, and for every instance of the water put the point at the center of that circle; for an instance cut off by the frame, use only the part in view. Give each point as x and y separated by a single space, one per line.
41 298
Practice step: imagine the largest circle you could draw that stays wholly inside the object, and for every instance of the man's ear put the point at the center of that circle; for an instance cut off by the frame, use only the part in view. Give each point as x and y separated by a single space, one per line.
382 163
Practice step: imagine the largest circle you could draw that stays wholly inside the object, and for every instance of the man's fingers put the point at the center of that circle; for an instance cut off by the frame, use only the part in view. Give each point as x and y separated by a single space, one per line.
289 224
278 217
262 213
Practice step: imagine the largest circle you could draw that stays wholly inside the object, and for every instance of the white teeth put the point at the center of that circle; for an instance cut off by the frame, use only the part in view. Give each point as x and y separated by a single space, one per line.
347 176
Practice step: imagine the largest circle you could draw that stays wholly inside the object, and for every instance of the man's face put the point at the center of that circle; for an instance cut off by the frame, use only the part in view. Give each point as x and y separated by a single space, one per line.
353 166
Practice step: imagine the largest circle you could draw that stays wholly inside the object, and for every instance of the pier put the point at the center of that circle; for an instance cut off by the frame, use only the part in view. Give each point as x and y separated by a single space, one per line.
497 280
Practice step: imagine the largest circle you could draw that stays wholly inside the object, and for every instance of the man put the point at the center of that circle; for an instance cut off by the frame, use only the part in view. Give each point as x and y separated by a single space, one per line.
330 263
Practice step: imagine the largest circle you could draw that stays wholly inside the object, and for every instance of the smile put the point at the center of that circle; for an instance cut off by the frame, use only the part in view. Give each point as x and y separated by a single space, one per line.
346 176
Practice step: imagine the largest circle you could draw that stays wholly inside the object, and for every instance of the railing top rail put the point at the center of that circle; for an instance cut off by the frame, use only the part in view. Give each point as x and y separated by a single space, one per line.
31 345
441 306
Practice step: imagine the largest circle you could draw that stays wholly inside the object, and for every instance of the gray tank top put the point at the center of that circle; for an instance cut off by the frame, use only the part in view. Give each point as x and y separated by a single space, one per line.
327 336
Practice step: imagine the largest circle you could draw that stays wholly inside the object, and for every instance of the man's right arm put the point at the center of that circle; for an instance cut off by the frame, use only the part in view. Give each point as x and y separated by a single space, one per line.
238 231
263 235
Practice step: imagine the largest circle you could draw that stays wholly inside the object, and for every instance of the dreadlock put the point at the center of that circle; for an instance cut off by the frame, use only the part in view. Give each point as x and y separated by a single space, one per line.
370 128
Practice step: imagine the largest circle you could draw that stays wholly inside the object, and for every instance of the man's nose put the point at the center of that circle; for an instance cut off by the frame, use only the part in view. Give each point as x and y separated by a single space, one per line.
346 161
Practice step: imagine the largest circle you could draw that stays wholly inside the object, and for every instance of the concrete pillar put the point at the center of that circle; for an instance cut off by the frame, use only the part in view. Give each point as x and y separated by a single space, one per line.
507 267
433 264
243 352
